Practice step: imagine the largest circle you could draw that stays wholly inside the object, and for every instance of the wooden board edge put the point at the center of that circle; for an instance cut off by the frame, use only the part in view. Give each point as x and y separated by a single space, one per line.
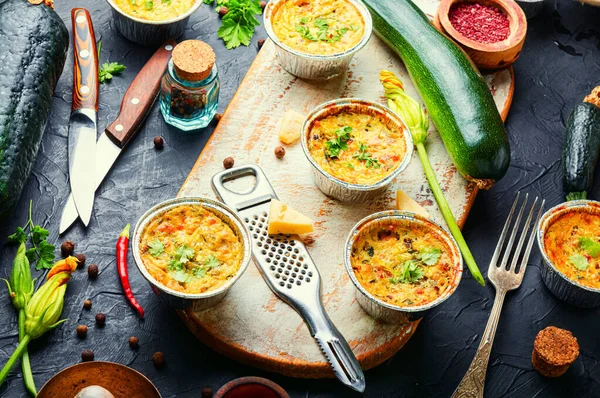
296 369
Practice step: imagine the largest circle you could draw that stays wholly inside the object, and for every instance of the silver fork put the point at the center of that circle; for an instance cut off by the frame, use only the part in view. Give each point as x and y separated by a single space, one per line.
503 279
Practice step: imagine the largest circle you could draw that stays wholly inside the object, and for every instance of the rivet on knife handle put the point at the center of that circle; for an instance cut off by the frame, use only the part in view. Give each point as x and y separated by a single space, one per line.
140 96
85 74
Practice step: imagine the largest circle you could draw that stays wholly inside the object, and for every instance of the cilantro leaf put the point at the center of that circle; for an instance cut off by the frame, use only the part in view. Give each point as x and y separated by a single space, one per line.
363 156
184 253
108 70
212 262
579 261
590 246
20 236
175 265
430 255
200 272
156 248
339 143
180 276
410 273
209 2
149 4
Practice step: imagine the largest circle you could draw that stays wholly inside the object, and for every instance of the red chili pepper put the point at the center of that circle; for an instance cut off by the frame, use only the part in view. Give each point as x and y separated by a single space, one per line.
122 249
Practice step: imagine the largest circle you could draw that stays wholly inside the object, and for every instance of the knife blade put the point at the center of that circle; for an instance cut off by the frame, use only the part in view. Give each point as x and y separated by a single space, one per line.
84 109
136 104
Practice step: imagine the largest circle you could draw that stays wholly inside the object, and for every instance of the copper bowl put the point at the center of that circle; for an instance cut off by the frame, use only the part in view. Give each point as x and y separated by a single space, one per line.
119 380
488 56
251 387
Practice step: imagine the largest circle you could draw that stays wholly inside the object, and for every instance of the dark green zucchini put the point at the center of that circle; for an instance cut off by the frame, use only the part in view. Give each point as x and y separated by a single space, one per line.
455 94
581 150
33 49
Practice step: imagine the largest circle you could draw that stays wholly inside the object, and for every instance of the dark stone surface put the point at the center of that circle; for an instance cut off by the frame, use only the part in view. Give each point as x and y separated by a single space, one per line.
559 64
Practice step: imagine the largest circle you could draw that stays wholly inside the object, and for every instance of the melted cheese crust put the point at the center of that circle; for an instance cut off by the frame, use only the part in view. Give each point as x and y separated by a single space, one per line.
562 240
300 24
384 145
158 11
206 235
380 250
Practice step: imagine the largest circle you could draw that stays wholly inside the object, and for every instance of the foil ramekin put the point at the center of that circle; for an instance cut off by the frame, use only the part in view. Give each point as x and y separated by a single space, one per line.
197 301
379 309
342 190
558 283
150 33
315 67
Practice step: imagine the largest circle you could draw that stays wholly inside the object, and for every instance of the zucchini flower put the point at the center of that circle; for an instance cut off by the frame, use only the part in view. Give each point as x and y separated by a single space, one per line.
44 309
20 286
46 305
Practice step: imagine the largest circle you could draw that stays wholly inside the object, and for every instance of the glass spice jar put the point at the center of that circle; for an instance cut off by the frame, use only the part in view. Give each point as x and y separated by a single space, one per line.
190 87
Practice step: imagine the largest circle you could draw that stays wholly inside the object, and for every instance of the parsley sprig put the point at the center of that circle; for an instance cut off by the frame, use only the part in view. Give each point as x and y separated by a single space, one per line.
156 248
409 273
339 143
323 32
41 252
364 156
237 26
108 70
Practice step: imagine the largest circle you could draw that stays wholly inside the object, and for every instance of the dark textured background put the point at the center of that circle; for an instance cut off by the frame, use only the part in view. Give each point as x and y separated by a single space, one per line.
559 64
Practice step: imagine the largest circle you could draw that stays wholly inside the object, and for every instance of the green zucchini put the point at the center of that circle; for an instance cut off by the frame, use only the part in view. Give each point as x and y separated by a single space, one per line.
581 150
33 49
456 96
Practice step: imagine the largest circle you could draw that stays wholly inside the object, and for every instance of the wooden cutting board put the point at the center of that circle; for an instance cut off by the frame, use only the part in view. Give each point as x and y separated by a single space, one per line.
251 324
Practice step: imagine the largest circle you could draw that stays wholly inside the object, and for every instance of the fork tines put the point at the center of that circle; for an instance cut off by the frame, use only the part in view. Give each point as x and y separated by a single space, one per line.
516 266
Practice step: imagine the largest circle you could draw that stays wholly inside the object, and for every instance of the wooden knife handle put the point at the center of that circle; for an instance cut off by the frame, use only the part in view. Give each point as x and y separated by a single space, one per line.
85 54
140 96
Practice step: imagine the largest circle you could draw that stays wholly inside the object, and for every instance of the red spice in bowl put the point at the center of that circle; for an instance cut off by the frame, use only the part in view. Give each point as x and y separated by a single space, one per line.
478 22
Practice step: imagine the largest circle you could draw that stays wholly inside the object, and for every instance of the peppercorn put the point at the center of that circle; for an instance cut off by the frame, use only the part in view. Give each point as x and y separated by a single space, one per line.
158 358
218 117
159 142
93 271
279 152
67 248
223 11
261 42
87 304
228 162
100 319
80 260
134 342
263 4
87 355
207 392
81 331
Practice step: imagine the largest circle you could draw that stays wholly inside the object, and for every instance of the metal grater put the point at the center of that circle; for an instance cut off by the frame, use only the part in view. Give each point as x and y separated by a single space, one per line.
288 269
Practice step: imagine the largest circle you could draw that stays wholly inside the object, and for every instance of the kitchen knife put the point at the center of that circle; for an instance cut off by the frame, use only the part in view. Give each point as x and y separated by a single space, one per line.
82 124
137 102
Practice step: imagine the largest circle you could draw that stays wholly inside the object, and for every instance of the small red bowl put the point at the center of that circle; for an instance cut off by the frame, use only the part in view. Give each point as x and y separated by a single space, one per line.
251 387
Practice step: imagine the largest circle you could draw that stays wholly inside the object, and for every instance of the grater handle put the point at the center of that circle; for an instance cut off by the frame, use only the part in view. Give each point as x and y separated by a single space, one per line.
336 349
261 192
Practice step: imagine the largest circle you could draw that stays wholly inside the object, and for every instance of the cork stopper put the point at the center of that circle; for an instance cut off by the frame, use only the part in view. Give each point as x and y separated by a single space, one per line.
193 60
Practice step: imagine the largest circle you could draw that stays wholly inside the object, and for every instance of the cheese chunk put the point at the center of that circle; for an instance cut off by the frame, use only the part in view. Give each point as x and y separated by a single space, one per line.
284 220
406 203
289 132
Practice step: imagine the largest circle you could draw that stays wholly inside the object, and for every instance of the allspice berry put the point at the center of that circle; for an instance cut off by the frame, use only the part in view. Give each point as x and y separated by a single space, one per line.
87 355
263 4
228 162
100 319
87 304
93 271
80 260
218 117
280 152
134 342
67 248
81 331
261 42
206 392
158 358
223 11
159 142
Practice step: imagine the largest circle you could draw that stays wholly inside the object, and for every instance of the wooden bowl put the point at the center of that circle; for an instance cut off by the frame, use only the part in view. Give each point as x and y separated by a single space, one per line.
251 387
121 381
488 56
